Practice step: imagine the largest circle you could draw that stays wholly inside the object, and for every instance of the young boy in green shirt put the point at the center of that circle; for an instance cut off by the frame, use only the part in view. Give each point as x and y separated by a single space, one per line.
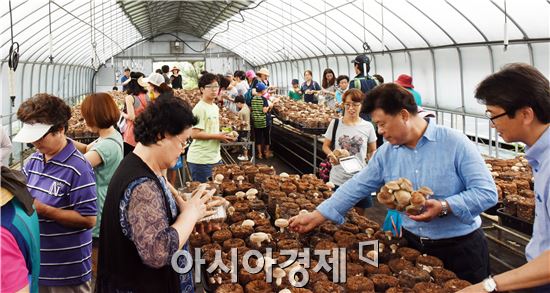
260 107
295 93
204 152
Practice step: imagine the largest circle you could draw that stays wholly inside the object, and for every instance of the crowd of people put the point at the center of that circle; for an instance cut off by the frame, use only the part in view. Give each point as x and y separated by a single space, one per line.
110 200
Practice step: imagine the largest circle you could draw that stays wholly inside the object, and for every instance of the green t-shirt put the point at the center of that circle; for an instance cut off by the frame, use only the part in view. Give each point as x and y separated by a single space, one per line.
110 149
294 95
206 151
258 115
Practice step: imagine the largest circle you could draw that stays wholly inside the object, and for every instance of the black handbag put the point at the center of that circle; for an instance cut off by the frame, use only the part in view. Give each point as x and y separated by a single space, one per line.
325 166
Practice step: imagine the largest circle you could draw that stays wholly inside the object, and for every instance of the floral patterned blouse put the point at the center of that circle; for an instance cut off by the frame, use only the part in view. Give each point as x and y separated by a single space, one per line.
144 220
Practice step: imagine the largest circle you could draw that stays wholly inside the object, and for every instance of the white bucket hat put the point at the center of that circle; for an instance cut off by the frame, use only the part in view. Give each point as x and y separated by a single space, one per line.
263 71
32 132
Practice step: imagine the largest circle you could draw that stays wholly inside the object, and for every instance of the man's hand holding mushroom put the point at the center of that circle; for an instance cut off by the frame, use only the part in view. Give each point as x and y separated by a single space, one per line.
305 222
432 209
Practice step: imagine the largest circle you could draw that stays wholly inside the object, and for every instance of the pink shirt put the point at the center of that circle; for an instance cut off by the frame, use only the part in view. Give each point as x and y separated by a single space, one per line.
13 273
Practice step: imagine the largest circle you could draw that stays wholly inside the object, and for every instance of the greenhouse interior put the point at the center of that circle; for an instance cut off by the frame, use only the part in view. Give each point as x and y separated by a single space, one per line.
275 146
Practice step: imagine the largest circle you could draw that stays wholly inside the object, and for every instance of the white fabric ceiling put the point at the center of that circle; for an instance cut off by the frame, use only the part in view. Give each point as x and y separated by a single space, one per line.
282 30
276 30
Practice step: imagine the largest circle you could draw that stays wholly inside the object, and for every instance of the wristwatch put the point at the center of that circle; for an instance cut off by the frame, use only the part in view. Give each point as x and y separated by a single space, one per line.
490 285
444 208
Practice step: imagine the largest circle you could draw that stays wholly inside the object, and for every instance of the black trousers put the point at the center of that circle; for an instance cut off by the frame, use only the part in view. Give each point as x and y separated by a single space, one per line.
467 256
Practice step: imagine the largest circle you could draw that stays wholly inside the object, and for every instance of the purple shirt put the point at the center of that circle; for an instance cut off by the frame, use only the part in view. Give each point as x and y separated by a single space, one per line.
66 181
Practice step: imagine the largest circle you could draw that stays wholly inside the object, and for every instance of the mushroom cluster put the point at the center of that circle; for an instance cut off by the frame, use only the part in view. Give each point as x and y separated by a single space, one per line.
400 195
307 115
341 153
266 230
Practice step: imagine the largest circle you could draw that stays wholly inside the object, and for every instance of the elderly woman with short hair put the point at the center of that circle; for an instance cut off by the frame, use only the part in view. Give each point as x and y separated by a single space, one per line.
143 223
62 184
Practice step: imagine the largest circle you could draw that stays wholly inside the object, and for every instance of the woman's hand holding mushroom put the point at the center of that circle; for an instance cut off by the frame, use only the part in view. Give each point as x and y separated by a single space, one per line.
196 207
332 159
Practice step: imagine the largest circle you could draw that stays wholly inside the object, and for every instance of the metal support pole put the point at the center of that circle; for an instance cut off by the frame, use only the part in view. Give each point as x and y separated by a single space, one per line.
490 140
314 154
496 144
476 132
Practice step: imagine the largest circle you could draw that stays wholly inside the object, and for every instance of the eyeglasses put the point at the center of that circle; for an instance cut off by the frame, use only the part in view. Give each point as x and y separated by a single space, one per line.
184 144
212 86
489 115
354 105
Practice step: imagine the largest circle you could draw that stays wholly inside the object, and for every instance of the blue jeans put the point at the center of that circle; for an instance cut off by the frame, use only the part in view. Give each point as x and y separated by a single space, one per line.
201 172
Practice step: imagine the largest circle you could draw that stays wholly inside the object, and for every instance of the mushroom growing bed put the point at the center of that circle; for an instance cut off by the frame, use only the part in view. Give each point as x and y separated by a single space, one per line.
261 202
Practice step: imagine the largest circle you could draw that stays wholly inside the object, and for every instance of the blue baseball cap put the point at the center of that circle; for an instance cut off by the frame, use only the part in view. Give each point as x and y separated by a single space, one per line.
261 86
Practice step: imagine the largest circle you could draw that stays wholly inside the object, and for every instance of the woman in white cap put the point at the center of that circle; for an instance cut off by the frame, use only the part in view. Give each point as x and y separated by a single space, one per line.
156 85
63 186
176 79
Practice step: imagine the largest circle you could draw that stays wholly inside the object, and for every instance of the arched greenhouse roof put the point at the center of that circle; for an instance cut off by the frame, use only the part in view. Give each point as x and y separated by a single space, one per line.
267 31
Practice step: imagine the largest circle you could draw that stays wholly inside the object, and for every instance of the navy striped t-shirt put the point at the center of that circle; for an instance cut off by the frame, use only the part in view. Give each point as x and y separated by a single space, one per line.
66 181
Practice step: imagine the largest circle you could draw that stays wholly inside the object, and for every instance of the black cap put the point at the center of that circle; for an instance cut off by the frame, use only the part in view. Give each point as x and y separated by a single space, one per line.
360 59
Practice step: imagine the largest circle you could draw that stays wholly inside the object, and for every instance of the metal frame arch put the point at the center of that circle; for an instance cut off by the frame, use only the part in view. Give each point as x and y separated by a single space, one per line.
298 32
459 54
432 21
375 62
478 30
61 83
406 23
40 78
337 64
31 81
525 36
265 52
311 26
371 33
319 67
392 65
331 30
94 28
434 68
410 62
75 55
44 31
22 19
13 8
19 87
23 87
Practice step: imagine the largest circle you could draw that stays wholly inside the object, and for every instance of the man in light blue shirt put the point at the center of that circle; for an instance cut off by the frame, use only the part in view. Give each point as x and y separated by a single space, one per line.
428 155
518 105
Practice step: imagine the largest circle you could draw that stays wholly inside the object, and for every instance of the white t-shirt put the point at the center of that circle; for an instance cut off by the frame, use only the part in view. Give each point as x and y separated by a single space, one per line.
355 140
241 88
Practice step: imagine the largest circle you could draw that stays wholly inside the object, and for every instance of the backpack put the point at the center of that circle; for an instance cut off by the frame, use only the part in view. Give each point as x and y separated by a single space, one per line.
248 96
370 83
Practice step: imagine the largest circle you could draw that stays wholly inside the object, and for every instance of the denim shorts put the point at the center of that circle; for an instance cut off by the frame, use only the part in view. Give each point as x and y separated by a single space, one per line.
201 172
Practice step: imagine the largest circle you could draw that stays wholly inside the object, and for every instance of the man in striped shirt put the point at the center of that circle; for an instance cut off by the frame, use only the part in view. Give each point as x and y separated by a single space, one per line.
62 183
